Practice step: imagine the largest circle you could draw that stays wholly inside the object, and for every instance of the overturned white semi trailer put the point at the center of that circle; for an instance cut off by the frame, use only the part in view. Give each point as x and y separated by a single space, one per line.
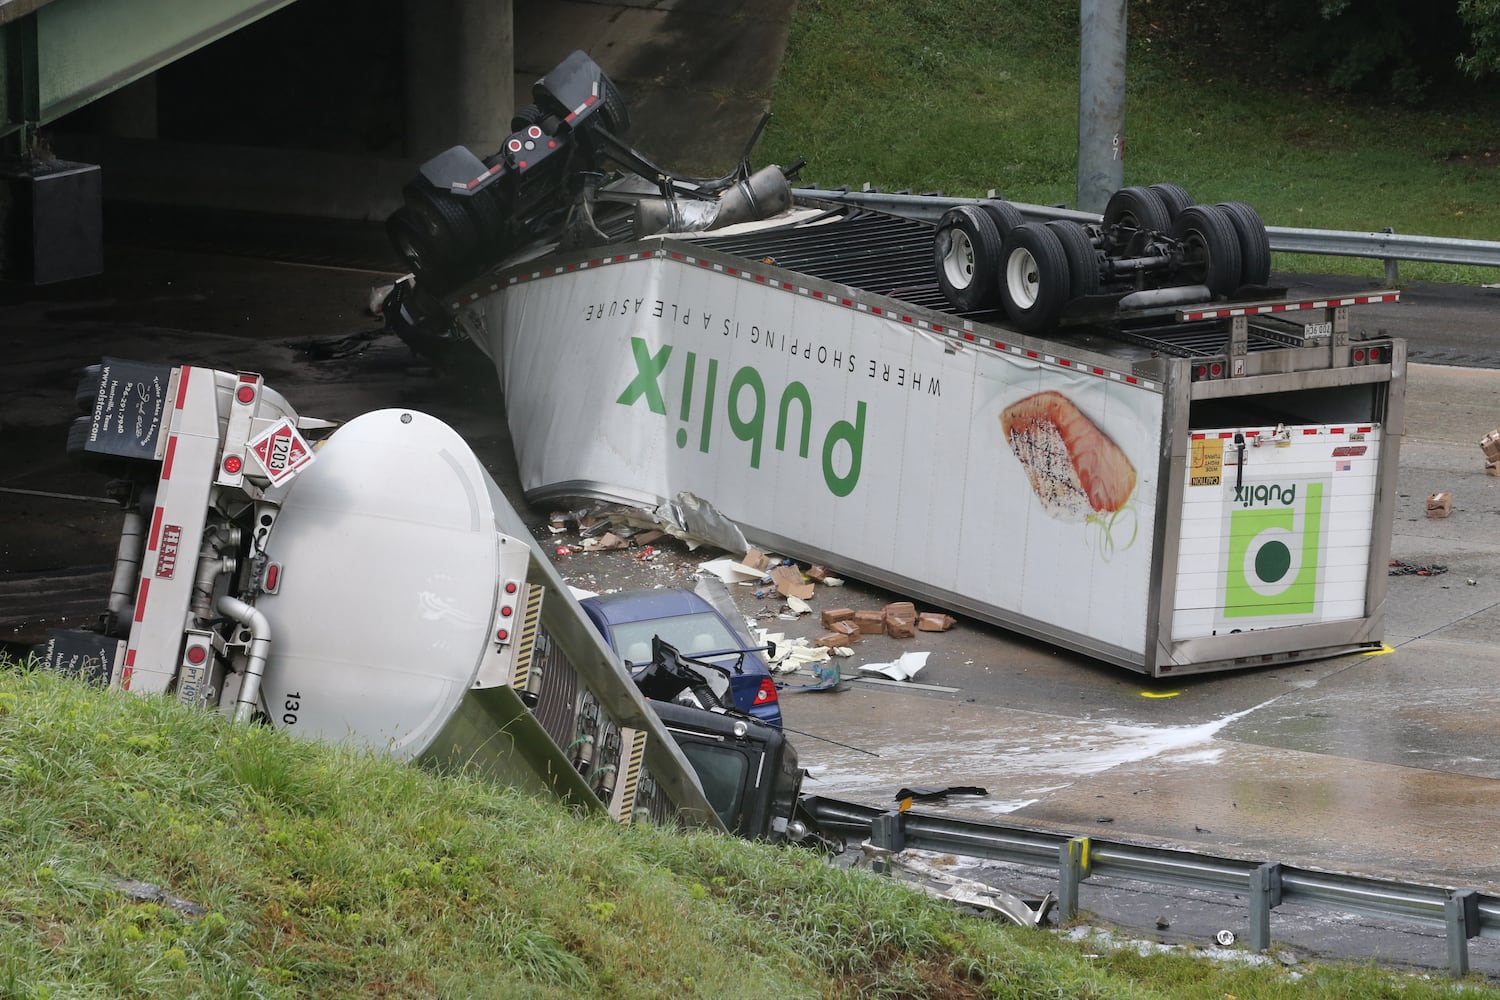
1198 485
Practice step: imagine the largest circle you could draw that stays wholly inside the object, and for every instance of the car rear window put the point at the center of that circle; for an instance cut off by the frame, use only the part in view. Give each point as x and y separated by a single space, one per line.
696 633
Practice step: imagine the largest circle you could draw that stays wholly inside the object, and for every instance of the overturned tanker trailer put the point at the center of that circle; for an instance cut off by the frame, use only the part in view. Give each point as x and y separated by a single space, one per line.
1114 436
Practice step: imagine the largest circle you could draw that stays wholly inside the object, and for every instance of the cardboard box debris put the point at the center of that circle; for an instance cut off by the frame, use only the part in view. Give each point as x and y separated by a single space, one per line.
756 559
934 621
832 615
1440 504
833 640
789 582
1491 469
846 627
817 574
647 537
1490 445
870 622
902 610
900 628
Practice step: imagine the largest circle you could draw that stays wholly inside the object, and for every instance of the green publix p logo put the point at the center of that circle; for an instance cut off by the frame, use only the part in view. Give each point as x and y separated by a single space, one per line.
745 410
1275 545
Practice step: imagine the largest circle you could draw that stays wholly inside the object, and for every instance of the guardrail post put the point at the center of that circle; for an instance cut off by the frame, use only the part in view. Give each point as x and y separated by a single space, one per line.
1072 868
888 831
1461 916
1265 895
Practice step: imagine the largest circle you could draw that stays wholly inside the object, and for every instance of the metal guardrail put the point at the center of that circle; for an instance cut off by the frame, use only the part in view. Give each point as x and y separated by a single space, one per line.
1384 246
1462 913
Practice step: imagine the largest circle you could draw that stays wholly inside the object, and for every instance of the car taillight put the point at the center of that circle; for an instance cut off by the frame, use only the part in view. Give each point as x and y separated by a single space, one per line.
767 692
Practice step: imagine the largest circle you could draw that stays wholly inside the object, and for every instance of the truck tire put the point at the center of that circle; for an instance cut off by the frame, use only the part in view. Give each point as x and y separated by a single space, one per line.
445 219
1174 196
1034 278
1137 208
422 252
1255 245
966 254
1210 248
1003 214
614 115
531 114
1083 258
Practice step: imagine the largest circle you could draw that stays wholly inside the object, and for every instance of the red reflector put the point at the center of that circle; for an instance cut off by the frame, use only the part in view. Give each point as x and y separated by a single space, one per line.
273 574
197 654
1374 354
506 610
1216 369
515 145
767 692
1359 355
246 394
1202 370
503 634
232 464
510 587
534 131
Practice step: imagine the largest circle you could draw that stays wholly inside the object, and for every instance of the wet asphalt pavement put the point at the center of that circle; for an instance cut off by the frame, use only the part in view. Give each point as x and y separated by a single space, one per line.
1385 765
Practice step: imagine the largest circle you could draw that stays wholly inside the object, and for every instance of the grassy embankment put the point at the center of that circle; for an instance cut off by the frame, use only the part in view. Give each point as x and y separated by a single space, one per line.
316 872
969 96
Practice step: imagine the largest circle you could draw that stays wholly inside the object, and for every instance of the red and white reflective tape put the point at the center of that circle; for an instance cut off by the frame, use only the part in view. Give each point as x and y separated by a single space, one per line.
833 298
1279 307
1314 430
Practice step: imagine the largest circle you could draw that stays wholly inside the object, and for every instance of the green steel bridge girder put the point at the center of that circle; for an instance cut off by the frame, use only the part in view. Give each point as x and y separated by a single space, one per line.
58 55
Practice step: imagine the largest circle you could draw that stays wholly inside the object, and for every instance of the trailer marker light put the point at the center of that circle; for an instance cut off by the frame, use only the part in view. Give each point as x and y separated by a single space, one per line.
502 634
1202 371
507 610
510 586
1374 354
196 654
1216 369
1359 355
246 394
232 464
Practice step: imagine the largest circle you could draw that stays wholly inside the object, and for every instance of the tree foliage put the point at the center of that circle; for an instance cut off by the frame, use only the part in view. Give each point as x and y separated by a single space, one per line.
1401 50
1482 18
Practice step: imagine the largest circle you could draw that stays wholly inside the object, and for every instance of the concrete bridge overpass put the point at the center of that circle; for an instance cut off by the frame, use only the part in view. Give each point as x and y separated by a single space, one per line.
325 107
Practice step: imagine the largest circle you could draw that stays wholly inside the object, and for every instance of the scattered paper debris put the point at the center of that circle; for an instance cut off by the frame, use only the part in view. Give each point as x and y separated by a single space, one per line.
798 605
730 571
904 668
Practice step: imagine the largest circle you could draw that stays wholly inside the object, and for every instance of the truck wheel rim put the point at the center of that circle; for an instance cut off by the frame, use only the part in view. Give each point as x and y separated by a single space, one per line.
1021 278
958 263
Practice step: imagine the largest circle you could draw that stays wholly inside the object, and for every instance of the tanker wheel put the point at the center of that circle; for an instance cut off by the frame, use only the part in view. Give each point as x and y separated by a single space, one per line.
1034 278
966 254
1082 257
1210 248
1174 197
1137 208
1255 245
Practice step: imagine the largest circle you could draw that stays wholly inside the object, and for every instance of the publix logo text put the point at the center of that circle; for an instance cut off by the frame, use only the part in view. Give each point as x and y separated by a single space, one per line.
745 408
1275 551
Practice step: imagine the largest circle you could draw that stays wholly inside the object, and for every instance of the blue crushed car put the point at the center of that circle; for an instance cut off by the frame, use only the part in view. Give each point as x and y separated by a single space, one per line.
629 620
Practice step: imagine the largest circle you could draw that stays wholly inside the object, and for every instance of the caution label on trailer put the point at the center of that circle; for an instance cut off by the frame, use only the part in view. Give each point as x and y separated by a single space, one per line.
1207 463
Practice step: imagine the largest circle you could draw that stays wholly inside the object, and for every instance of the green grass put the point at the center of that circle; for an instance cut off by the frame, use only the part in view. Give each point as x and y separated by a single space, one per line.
325 873
966 97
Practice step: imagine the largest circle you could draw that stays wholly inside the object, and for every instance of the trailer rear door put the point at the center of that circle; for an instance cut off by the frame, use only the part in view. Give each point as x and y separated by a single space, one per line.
1276 527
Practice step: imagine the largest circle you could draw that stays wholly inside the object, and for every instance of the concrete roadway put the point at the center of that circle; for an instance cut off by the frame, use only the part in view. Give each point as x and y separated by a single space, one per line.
1379 764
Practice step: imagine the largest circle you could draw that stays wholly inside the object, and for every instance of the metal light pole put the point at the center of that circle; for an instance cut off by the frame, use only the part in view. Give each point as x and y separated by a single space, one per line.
1101 102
